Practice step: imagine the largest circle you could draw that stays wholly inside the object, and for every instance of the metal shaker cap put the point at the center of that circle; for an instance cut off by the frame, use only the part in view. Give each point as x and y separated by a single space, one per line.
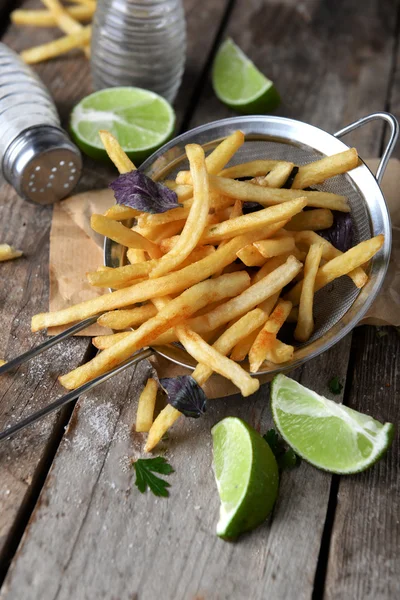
42 164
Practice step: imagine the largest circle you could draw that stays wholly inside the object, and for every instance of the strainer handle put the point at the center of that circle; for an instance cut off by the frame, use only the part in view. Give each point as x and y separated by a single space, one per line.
394 133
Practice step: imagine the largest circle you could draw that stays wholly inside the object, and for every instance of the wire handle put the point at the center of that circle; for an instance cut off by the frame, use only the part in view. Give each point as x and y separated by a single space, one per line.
394 133
57 404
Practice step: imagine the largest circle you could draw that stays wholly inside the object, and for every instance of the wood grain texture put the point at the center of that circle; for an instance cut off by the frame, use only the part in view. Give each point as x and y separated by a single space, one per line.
364 560
330 61
117 542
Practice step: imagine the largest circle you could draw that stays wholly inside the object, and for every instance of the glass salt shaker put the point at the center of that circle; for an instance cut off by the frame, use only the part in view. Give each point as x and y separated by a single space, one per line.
139 43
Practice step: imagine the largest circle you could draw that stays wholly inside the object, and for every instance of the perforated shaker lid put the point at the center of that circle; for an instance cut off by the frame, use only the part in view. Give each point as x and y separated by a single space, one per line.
42 164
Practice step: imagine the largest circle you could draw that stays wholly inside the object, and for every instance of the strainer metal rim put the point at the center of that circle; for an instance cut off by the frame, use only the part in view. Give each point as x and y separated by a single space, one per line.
291 131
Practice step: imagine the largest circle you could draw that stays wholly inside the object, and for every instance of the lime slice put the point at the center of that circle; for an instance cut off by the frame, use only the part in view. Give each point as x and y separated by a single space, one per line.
247 476
142 121
328 435
239 84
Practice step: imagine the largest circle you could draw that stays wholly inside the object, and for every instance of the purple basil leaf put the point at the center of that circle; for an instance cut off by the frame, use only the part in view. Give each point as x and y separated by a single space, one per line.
341 234
185 394
138 191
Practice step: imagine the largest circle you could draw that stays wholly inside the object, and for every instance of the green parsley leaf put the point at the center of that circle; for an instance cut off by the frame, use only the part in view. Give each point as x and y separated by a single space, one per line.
335 386
286 458
145 478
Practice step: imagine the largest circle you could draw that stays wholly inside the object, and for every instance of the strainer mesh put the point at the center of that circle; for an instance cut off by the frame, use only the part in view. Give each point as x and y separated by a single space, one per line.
335 299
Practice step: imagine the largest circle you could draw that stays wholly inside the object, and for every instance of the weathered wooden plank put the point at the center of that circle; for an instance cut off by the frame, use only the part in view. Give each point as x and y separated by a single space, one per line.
364 557
24 289
330 61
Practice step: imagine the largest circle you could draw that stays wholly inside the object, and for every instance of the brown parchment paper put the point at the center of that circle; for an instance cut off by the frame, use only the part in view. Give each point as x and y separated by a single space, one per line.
75 249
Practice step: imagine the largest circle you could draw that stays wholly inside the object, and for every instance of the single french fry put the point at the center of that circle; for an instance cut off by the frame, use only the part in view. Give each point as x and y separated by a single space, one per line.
61 46
204 353
277 177
251 257
255 168
252 221
313 220
329 251
135 256
265 340
266 196
196 219
173 283
101 342
120 212
218 158
2 362
44 18
146 405
248 323
341 265
65 22
164 420
275 247
174 313
116 154
123 235
8 252
318 171
122 319
305 322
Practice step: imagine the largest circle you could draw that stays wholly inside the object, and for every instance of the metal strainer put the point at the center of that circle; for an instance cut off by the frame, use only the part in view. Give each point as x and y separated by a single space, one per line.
340 305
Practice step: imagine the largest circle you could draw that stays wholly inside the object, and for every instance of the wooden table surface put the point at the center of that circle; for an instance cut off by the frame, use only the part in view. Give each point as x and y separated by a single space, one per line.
72 525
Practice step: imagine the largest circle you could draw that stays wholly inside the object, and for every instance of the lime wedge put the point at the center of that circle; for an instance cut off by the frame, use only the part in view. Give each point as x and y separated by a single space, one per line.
246 474
239 84
328 435
141 120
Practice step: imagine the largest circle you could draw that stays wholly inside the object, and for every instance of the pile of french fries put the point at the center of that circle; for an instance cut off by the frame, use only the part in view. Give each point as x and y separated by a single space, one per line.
210 277
68 18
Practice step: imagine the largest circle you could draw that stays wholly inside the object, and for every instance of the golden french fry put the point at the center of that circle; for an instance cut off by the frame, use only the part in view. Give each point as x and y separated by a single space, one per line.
57 47
175 312
2 362
204 353
146 405
122 319
251 257
123 235
248 323
246 191
305 323
162 423
116 154
119 212
101 342
313 220
265 340
275 247
341 265
8 252
135 256
196 219
318 171
329 251
248 299
277 177
65 21
255 168
218 158
43 18
253 221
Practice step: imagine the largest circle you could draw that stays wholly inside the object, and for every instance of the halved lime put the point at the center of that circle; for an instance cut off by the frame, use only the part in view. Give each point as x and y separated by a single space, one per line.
328 435
246 474
141 120
239 84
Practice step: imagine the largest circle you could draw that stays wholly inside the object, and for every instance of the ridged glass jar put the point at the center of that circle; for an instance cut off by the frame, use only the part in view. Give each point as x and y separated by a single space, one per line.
139 43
